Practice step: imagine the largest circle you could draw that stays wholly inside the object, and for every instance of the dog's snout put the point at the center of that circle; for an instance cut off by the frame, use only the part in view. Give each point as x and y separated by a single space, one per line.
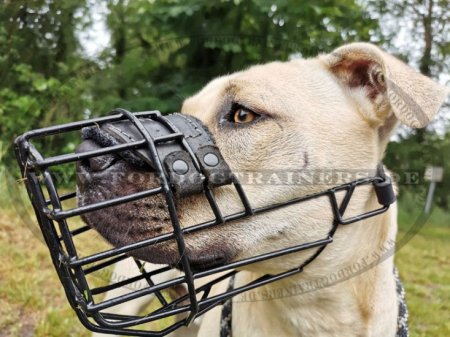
94 164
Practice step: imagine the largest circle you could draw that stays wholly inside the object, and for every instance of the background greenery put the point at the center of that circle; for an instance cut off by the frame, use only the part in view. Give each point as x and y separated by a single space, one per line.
160 52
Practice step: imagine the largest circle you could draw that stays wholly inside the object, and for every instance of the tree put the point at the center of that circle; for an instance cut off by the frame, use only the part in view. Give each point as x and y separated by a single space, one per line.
417 31
163 51
40 67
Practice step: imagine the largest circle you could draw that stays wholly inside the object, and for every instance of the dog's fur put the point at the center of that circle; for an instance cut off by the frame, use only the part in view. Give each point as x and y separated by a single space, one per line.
336 111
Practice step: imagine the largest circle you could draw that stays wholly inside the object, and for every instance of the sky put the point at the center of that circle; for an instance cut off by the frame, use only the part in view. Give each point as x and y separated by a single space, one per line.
96 37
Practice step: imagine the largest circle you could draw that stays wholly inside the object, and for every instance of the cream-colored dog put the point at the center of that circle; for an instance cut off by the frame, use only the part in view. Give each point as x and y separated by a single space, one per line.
335 111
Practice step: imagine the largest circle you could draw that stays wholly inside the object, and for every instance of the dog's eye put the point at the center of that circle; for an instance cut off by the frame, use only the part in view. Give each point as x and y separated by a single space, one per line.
242 115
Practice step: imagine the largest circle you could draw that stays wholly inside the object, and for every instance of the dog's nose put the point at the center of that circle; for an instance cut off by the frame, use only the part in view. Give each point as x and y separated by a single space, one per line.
94 164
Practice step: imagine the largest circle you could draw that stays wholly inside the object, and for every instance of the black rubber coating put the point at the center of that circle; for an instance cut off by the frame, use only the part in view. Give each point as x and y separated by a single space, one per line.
385 192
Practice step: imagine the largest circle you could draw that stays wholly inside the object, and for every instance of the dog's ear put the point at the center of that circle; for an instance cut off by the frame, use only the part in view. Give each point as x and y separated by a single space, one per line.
386 89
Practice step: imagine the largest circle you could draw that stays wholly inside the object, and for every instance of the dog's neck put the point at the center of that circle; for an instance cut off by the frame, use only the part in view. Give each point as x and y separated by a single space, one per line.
363 305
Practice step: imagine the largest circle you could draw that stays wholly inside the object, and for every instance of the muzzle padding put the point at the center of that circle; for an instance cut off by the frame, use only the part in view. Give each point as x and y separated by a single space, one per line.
104 139
188 163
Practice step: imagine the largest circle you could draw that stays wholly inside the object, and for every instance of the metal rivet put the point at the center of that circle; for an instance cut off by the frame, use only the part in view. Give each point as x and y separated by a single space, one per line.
180 167
211 159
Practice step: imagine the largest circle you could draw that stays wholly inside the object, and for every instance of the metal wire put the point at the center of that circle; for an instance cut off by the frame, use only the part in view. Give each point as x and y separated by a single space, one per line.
73 269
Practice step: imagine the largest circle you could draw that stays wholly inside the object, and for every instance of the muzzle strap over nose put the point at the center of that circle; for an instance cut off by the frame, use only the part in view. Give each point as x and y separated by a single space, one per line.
189 162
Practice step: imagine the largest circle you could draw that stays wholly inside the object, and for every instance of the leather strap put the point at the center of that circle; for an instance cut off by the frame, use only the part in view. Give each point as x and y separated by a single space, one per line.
226 315
402 319
187 166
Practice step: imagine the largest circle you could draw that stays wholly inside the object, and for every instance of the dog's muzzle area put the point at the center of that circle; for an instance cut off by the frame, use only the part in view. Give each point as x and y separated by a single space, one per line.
141 178
128 172
108 177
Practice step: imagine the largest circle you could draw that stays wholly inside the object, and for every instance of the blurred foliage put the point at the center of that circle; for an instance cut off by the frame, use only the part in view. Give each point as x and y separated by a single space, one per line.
426 23
160 52
163 51
410 155
40 82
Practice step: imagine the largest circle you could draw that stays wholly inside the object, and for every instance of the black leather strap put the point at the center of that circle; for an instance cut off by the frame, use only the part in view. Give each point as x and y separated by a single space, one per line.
402 319
187 170
226 316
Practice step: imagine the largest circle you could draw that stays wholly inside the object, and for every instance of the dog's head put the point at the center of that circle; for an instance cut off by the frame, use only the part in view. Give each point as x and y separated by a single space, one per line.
336 111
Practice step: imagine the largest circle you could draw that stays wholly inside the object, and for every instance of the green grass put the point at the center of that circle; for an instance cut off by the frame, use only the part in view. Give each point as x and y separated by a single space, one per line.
32 300
424 265
33 304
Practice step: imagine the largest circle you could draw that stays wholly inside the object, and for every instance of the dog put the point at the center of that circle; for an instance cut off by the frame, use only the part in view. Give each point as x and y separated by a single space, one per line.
334 111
